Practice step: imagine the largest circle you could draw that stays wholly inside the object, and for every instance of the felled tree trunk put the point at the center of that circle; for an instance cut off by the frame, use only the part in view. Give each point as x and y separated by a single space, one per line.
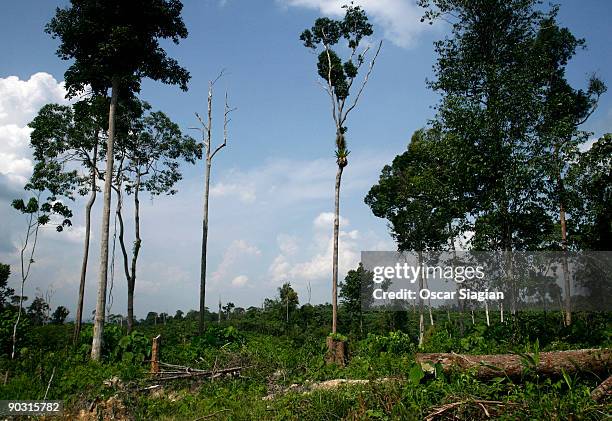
511 365
602 391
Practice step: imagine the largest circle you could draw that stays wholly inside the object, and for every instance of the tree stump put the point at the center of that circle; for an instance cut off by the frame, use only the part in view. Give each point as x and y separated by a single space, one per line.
155 354
336 352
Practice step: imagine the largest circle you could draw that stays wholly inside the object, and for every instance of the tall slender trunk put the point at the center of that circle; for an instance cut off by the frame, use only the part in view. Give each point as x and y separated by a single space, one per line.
204 244
25 271
335 256
98 330
431 319
88 207
137 245
421 318
486 303
564 264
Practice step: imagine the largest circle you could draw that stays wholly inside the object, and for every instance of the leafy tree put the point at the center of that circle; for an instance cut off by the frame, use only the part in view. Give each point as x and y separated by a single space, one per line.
151 318
491 82
37 311
59 315
564 110
227 309
114 44
288 297
149 160
339 76
71 134
589 184
6 293
422 195
178 315
356 293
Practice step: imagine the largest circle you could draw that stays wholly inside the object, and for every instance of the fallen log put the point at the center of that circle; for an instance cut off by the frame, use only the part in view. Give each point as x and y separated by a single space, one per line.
602 391
513 365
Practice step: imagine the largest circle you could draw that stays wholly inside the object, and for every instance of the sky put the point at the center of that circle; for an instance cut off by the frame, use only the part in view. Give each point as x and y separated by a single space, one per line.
272 187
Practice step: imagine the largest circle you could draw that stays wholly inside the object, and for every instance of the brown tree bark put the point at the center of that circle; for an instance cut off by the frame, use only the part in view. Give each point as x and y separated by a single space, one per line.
602 391
512 365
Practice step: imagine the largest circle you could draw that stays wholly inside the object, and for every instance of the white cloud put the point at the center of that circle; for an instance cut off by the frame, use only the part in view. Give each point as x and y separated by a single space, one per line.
319 266
240 281
20 100
399 19
245 192
238 250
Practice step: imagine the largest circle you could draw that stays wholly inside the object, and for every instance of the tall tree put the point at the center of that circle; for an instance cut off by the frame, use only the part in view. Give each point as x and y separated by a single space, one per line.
149 160
339 76
564 110
114 44
490 83
209 154
68 135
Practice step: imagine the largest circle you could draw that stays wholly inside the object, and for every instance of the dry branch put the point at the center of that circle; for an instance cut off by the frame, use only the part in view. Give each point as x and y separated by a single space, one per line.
513 365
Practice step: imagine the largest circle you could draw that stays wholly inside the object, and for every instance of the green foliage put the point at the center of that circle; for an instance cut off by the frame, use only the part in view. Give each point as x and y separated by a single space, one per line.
118 39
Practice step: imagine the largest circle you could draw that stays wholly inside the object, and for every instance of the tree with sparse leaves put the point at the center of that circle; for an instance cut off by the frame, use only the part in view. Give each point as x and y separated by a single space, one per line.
63 134
149 157
339 75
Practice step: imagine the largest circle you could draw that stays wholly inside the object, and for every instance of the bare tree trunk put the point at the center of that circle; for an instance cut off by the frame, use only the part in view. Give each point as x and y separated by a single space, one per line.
431 320
566 275
486 303
88 207
96 344
335 256
501 311
204 245
137 244
421 319
473 320
209 155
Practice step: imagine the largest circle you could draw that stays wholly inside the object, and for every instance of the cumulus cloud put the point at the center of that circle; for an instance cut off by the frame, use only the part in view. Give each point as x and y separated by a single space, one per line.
244 192
319 266
240 281
233 256
20 100
399 19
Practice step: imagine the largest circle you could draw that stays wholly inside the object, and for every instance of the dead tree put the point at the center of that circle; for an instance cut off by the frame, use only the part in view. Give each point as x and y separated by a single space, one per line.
209 154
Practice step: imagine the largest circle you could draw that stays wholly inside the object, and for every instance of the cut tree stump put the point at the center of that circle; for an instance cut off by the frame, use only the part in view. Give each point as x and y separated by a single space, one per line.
512 365
336 352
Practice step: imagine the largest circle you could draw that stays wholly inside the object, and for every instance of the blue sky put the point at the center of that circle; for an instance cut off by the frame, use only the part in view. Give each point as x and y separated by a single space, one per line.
272 188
